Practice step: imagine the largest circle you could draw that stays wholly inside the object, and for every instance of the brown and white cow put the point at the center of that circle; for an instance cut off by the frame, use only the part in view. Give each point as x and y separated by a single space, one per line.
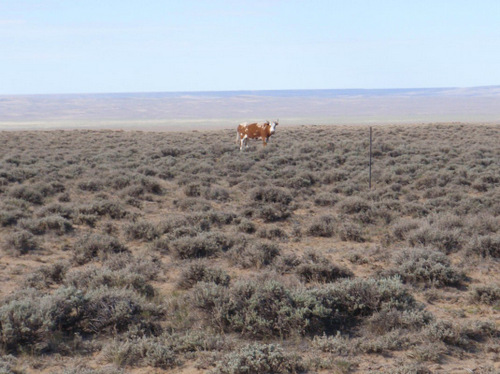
256 130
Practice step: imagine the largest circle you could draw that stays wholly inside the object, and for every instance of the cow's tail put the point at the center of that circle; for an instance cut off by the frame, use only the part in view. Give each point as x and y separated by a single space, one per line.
237 136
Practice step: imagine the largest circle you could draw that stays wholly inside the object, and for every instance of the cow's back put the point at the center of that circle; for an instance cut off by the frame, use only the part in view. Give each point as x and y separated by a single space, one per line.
251 130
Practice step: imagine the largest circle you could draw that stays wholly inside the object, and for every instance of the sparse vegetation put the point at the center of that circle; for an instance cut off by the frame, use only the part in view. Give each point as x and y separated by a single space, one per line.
138 251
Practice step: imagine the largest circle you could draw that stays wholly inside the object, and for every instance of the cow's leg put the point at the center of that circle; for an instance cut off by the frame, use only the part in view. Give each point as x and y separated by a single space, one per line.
264 141
244 142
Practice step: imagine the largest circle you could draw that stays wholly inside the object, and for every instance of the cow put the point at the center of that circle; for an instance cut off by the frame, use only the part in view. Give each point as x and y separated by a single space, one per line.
255 130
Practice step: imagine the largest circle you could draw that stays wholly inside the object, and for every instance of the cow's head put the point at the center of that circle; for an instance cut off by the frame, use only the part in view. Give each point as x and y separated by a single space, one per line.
273 126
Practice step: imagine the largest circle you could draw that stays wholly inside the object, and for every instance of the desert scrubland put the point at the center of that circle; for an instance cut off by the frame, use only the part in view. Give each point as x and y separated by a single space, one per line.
158 252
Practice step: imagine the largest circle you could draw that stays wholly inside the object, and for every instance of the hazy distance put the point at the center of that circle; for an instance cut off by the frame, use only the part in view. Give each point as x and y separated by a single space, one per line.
224 109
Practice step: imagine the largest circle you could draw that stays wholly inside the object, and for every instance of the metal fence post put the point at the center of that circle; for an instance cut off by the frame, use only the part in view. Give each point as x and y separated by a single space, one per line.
370 171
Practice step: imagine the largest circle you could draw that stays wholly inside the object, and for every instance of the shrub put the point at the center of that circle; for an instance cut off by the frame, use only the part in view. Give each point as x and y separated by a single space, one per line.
410 369
205 219
338 344
448 333
267 308
141 352
35 322
246 226
46 276
200 272
259 358
254 309
29 320
161 245
8 365
193 204
486 294
427 267
202 245
461 335
258 254
273 212
101 208
95 246
287 263
301 180
403 227
64 197
110 310
216 193
193 190
429 351
22 242
273 195
56 209
146 266
10 217
161 351
388 320
40 226
151 185
142 230
485 246
322 226
336 175
87 370
271 232
447 241
326 199
390 341
92 185
316 268
93 278
362 297
28 194
86 219
353 205
350 231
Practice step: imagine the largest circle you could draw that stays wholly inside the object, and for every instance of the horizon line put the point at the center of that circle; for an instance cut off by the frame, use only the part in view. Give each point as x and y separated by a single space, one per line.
253 91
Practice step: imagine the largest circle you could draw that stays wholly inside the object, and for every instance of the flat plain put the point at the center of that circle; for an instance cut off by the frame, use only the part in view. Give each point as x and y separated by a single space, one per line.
223 110
158 252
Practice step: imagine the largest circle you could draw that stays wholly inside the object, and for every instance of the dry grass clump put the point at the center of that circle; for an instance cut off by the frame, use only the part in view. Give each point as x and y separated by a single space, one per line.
165 351
137 250
86 370
260 358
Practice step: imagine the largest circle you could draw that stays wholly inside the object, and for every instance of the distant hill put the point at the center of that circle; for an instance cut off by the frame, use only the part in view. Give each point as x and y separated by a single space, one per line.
181 110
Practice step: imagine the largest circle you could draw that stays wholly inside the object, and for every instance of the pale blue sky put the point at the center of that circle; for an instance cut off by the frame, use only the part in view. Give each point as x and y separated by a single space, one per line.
92 46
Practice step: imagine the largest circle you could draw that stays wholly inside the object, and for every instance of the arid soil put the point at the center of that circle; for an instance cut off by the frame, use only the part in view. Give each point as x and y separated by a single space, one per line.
174 252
